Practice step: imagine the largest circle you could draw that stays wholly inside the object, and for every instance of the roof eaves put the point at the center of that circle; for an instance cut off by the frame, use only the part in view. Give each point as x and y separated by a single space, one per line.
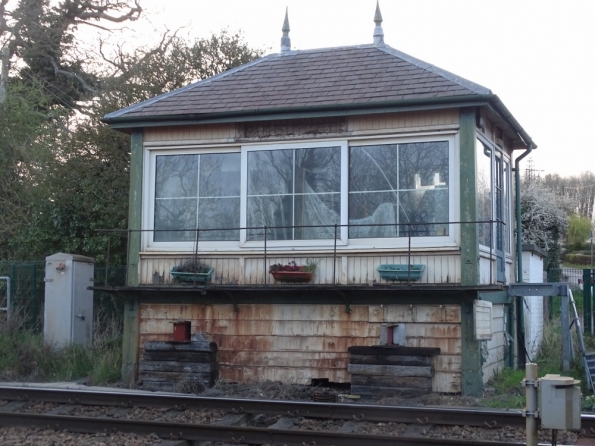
118 113
475 88
299 112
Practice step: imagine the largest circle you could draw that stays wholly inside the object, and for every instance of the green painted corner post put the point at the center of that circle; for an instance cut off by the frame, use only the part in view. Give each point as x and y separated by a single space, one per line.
131 322
588 300
471 366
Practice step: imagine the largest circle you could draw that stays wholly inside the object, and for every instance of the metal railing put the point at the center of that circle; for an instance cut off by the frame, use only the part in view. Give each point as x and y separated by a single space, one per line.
410 231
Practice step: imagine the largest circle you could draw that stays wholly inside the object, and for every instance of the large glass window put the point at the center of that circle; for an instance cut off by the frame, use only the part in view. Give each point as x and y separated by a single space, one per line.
197 191
295 193
399 190
483 157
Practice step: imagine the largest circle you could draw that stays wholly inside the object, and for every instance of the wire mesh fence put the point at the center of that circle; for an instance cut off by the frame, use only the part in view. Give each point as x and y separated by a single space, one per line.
27 291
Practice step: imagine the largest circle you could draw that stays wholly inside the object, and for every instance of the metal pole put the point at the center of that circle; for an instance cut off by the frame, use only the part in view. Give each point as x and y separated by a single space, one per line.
265 254
335 257
566 339
530 383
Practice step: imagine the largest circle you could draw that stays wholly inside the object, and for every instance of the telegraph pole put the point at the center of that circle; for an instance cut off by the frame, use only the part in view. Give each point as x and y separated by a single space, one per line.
3 74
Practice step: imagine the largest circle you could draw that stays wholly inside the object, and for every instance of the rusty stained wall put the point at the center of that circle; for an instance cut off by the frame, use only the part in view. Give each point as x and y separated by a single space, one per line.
355 268
297 343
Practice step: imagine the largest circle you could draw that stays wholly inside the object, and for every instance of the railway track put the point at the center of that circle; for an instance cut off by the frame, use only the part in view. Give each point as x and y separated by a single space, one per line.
244 421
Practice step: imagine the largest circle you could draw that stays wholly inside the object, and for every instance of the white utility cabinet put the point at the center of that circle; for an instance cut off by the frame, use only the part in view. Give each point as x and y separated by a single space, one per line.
560 402
68 312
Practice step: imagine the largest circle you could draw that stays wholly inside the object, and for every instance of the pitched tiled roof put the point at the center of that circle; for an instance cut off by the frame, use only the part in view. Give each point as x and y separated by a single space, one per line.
301 80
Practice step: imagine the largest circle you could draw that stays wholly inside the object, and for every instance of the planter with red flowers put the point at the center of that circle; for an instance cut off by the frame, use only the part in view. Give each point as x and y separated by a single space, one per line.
291 272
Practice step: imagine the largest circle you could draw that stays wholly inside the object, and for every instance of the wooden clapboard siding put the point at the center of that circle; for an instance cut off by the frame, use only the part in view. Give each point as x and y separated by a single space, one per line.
356 268
413 121
495 349
213 133
297 343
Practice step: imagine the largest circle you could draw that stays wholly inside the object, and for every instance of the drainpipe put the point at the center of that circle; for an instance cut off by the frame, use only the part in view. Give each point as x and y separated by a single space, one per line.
519 254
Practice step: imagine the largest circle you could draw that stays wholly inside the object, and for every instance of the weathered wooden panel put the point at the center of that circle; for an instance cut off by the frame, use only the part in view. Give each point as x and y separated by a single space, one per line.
392 350
428 330
409 121
276 328
197 346
179 356
388 391
356 268
289 343
390 370
391 381
390 360
303 375
284 359
446 346
178 367
197 133
446 382
447 363
423 313
262 342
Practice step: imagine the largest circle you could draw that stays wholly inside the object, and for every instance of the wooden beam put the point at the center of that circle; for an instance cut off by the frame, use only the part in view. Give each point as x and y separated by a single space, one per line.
131 320
468 199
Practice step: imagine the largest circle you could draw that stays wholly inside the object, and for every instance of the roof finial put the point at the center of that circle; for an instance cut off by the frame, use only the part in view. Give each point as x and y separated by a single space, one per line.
378 32
285 41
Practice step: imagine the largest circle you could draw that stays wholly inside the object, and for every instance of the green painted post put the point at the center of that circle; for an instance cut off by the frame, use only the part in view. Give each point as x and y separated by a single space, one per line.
471 373
588 300
131 321
468 199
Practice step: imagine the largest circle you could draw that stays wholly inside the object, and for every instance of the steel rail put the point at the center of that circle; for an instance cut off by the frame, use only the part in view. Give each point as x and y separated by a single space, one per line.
379 413
233 434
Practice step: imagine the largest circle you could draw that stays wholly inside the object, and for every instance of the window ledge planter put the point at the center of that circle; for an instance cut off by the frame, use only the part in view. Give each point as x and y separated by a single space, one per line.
293 276
292 272
400 272
192 277
192 271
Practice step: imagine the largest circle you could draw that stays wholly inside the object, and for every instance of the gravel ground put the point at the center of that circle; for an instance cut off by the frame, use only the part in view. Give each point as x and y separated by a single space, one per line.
265 390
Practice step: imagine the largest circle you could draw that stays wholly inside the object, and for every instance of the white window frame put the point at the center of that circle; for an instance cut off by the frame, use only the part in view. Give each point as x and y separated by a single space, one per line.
505 159
432 242
452 240
148 214
342 233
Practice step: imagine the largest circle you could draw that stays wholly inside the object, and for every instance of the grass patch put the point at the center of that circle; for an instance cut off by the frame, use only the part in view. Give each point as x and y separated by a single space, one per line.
508 391
25 357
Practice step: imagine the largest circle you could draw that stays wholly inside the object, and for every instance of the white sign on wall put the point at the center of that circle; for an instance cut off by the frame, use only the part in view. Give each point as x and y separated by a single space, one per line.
482 315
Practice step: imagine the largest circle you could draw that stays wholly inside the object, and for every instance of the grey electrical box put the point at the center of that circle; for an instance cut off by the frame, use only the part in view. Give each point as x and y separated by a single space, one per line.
560 402
68 312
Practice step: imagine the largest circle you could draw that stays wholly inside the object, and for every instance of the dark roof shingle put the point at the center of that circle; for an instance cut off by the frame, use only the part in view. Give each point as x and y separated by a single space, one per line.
299 79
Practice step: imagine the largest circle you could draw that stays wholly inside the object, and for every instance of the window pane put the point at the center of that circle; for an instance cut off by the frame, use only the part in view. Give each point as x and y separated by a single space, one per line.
219 213
270 172
373 168
373 215
275 211
220 175
180 180
318 170
423 165
175 214
317 210
484 191
418 208
176 176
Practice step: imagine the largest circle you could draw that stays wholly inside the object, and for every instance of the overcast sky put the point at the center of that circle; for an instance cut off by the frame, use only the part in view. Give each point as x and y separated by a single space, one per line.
536 55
